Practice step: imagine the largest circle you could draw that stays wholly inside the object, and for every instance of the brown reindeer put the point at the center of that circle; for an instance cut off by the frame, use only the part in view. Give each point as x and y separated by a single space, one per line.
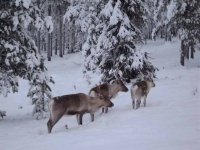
2 113
74 104
140 90
100 95
108 91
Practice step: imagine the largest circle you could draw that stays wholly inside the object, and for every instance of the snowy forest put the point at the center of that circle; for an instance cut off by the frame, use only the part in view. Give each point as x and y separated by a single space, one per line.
51 48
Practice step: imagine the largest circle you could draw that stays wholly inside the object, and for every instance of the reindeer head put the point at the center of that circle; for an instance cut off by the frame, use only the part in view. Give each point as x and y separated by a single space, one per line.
149 81
2 113
104 97
119 83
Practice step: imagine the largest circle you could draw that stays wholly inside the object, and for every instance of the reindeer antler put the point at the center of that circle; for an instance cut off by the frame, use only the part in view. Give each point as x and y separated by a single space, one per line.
117 76
99 90
149 75
98 87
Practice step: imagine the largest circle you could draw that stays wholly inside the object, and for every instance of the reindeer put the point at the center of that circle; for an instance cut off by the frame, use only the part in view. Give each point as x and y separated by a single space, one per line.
2 113
140 90
108 91
74 104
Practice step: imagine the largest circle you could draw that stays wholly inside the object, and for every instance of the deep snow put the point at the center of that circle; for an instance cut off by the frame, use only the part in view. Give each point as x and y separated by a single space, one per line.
171 120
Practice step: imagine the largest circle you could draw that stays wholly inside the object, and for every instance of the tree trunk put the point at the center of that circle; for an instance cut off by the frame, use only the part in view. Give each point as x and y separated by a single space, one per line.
68 38
149 30
74 39
182 53
154 37
60 45
170 36
45 46
49 39
56 45
56 42
145 39
64 39
51 43
161 32
38 41
192 51
187 51
149 34
166 33
38 33
49 48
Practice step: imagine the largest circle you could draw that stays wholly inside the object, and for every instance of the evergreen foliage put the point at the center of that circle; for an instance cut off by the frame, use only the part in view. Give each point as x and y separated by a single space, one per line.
19 55
185 15
39 91
111 44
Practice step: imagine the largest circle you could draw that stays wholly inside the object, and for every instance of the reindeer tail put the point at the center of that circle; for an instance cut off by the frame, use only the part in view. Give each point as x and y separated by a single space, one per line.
92 93
134 87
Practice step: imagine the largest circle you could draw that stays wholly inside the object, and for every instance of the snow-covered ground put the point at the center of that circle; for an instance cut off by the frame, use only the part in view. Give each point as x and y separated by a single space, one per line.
171 120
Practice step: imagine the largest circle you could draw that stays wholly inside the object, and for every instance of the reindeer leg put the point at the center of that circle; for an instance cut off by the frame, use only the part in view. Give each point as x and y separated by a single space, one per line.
106 110
102 110
52 121
79 118
49 126
137 103
133 99
92 117
133 103
144 102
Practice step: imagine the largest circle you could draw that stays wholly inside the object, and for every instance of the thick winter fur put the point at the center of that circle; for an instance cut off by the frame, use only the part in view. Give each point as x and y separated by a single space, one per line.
74 104
108 91
2 113
140 90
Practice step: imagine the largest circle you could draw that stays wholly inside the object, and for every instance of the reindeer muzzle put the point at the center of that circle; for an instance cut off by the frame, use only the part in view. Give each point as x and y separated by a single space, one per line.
111 105
126 90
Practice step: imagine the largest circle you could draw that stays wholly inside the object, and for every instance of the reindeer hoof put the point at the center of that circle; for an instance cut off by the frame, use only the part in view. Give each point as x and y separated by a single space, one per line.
66 126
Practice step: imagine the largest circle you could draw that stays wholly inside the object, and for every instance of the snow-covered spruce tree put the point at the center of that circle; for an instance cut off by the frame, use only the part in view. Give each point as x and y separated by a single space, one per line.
93 27
85 14
188 22
19 55
115 47
39 91
185 14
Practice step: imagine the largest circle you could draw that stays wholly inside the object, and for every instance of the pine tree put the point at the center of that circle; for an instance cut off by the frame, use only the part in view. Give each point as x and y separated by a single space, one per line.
185 15
39 91
85 14
114 47
19 56
162 19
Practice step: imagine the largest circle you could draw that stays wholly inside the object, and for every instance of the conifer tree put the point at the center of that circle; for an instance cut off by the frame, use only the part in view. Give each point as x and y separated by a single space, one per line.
39 91
19 55
118 32
185 14
113 29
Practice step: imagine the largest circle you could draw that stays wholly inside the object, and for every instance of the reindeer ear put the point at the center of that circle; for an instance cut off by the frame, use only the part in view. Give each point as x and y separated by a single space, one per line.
117 81
117 76
149 75
101 96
